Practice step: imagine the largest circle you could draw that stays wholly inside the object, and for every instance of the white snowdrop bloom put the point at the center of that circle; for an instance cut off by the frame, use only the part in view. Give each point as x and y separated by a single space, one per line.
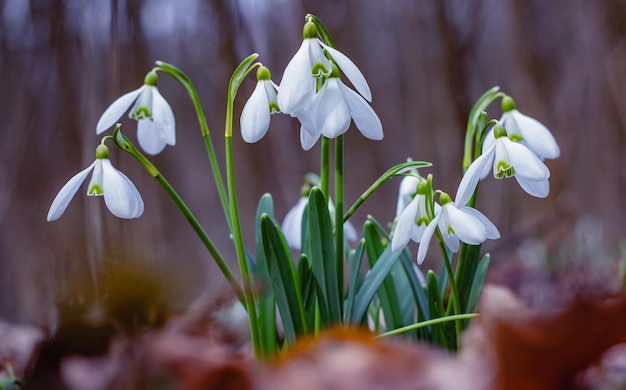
407 190
120 194
525 130
156 125
412 220
456 224
506 158
255 117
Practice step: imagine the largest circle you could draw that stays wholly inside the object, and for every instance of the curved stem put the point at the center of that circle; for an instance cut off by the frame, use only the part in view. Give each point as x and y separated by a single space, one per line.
124 143
424 324
182 78
249 296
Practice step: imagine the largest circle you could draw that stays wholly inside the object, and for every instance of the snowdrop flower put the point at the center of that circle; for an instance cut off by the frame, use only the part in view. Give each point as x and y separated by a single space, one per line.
456 223
298 88
526 130
406 192
506 158
120 194
155 119
292 224
333 108
412 219
255 117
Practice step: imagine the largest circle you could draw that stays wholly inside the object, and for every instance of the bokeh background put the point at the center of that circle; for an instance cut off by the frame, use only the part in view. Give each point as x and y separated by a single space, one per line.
63 61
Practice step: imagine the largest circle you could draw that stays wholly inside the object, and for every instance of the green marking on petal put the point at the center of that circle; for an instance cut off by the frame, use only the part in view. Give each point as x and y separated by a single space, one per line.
95 190
422 221
140 113
319 70
274 108
516 138
450 231
504 169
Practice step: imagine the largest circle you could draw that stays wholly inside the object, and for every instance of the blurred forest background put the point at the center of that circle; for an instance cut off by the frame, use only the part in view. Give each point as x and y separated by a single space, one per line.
62 62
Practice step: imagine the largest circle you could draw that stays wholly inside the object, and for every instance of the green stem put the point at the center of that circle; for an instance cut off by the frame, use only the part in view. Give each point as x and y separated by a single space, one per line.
123 143
458 325
184 80
339 214
325 168
249 296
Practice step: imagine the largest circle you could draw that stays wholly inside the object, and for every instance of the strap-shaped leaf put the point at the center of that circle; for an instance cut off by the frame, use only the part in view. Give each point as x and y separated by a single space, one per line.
477 284
354 269
321 254
371 284
267 301
387 292
436 309
283 279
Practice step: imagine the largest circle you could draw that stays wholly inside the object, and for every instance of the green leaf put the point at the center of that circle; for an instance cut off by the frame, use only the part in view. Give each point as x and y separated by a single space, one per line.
387 292
372 282
419 293
354 269
477 284
283 278
266 301
309 291
322 256
469 257
436 309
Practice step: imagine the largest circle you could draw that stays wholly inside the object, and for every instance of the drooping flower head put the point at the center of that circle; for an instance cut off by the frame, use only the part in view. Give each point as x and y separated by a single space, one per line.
329 111
456 223
156 126
333 108
412 220
525 130
506 158
255 117
120 194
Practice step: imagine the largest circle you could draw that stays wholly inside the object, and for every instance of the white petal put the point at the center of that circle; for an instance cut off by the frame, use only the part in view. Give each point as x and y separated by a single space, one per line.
405 226
537 188
363 115
297 85
292 224
525 162
408 187
317 58
65 195
96 180
351 71
536 136
255 117
165 124
115 111
307 140
426 237
466 226
120 194
490 139
350 231
491 230
450 240
143 106
148 136
332 115
472 176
